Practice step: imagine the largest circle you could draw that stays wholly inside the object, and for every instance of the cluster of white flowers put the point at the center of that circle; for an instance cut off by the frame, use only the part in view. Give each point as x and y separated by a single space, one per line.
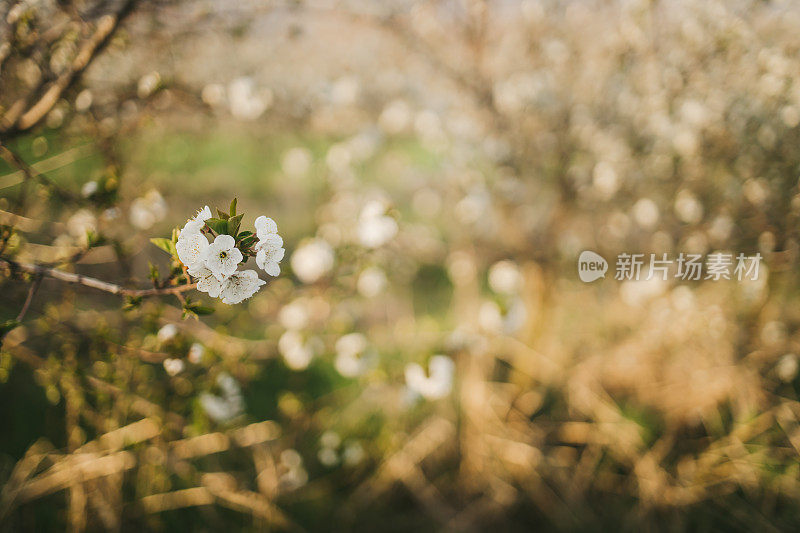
333 451
227 406
435 386
147 210
215 265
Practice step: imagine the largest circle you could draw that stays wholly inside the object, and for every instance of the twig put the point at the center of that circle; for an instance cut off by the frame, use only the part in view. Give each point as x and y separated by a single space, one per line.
33 175
35 285
105 27
94 282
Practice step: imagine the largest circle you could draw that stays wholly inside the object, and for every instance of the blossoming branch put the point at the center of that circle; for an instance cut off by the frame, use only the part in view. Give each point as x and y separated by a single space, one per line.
215 264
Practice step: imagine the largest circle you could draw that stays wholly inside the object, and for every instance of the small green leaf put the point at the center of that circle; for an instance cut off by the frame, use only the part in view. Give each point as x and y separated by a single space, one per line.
194 309
244 234
94 239
248 241
165 244
131 303
7 326
154 276
222 214
217 225
234 223
233 207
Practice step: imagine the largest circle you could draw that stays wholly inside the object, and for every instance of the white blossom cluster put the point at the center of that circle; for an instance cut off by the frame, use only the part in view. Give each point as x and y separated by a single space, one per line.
215 264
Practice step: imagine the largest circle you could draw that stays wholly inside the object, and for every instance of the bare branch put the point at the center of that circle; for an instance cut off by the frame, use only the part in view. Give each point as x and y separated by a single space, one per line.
105 28
95 283
31 291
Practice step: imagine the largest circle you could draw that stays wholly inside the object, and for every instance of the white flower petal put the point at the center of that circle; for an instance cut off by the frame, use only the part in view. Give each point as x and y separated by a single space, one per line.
240 286
206 281
265 226
273 269
190 248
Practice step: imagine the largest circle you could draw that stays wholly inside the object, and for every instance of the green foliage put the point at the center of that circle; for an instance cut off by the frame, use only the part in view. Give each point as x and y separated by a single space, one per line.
132 303
7 326
192 309
154 275
233 224
165 244
218 225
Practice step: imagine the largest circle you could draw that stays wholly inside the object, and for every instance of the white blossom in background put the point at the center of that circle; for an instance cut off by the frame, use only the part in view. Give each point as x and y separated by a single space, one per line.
312 260
167 333
328 454
345 91
228 405
327 457
395 117
505 277
293 475
297 161
371 282
83 101
350 359
295 352
148 84
213 94
435 386
148 209
787 367
269 247
375 227
196 353
112 213
80 223
353 453
173 366
295 314
89 188
245 101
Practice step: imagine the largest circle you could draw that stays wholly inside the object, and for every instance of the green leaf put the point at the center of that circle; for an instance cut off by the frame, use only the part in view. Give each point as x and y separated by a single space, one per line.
248 241
165 244
234 223
244 234
94 239
7 326
131 303
217 225
233 207
222 214
154 276
194 309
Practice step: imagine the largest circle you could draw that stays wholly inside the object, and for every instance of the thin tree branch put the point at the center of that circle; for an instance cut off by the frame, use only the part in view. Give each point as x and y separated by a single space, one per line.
31 291
95 283
32 174
105 28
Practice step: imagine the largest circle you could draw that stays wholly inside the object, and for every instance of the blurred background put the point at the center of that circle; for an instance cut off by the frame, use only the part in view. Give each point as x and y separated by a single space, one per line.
428 358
